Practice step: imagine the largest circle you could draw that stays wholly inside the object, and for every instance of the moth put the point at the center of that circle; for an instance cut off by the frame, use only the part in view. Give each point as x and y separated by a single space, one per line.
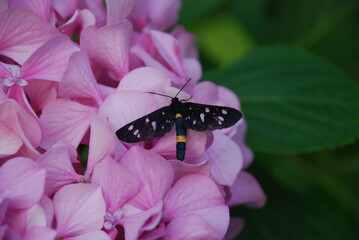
184 115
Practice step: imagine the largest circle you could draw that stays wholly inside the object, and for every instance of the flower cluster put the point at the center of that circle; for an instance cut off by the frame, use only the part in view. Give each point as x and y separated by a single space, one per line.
71 74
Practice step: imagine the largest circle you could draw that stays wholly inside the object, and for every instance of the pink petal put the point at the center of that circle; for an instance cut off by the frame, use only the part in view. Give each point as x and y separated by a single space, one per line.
163 13
169 49
3 229
190 227
235 227
40 93
50 61
58 165
187 41
109 46
246 190
22 182
135 224
40 7
65 8
46 204
23 34
78 81
191 193
4 71
149 61
182 169
66 121
239 138
125 106
38 232
118 10
79 209
97 8
80 20
16 119
117 183
98 235
226 159
154 172
144 79
102 142
166 146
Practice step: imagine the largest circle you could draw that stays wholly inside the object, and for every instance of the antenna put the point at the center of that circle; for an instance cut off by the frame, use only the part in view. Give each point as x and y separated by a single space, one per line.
159 94
185 84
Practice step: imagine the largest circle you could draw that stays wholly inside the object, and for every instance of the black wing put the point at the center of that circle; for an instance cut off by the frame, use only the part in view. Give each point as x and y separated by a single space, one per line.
200 117
153 125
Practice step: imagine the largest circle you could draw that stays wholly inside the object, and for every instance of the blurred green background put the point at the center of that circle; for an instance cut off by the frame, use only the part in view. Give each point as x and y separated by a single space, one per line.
295 67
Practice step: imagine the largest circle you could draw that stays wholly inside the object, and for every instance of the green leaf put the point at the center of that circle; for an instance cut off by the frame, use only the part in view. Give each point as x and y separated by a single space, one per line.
293 102
307 199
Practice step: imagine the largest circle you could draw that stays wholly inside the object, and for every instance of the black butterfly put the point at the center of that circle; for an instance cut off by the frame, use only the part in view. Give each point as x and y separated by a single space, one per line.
198 117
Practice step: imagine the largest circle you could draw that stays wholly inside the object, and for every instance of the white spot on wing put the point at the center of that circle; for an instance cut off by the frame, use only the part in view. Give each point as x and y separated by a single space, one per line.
162 127
194 121
154 125
202 117
147 120
163 113
206 109
220 118
139 135
219 122
135 132
130 127
224 111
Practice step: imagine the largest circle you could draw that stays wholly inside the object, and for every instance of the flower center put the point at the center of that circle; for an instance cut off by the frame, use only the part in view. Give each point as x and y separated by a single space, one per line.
112 218
16 78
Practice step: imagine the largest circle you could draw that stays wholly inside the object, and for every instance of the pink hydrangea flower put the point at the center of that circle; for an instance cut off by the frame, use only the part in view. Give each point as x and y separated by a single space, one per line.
59 96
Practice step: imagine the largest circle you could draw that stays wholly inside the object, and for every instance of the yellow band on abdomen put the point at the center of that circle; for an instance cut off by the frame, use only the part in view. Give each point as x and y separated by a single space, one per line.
181 138
178 115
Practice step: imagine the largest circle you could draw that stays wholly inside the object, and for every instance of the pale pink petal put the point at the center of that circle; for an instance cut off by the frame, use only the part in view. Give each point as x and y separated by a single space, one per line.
118 10
38 232
163 13
22 182
154 172
40 7
126 106
117 183
78 82
169 49
59 170
4 203
182 169
10 141
109 46
102 142
226 159
65 8
65 121
17 93
246 190
35 217
98 235
144 79
235 227
196 143
4 71
80 20
22 32
3 6
79 208
191 193
50 61
190 227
